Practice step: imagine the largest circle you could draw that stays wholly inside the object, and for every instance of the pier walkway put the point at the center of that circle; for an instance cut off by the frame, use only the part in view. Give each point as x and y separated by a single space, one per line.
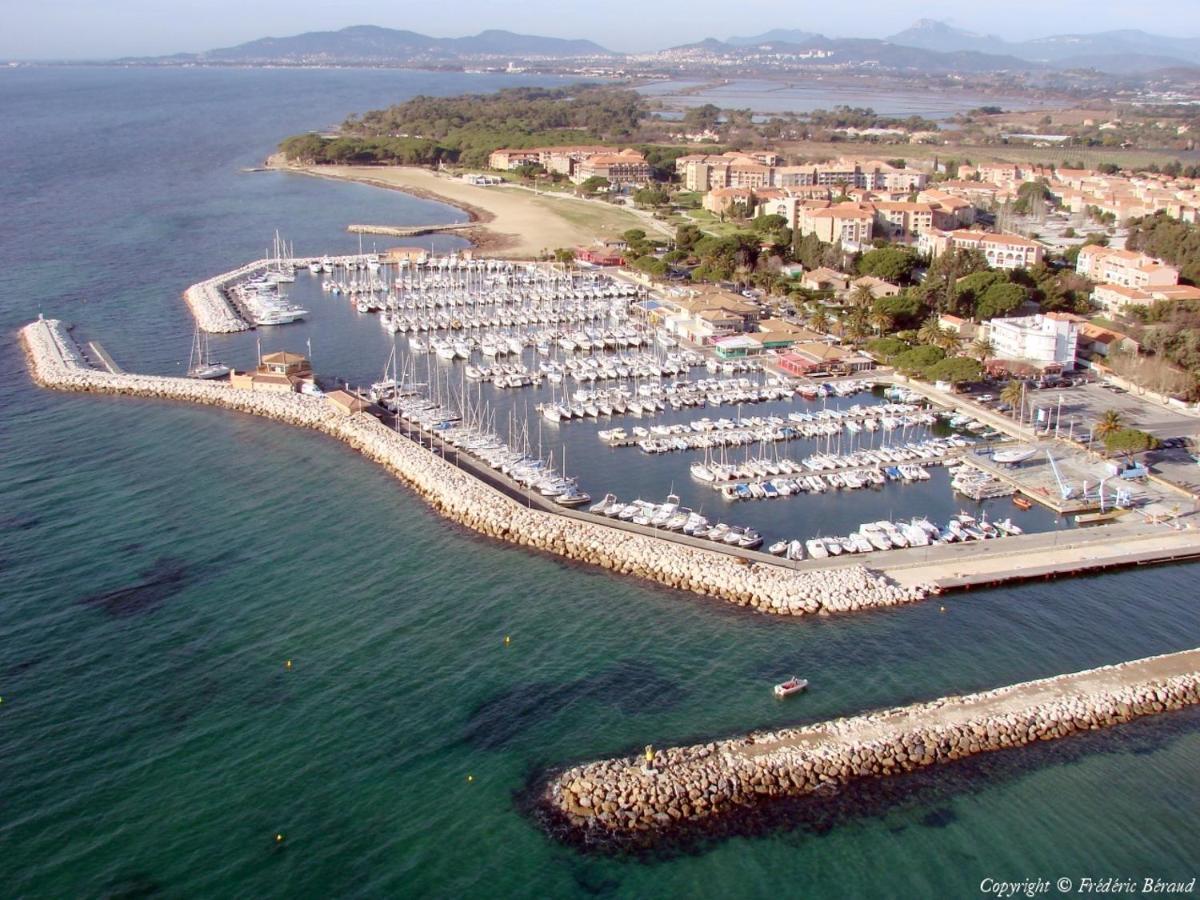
105 360
409 230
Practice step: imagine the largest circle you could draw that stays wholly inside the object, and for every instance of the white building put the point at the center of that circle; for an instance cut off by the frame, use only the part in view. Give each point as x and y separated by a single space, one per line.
1041 340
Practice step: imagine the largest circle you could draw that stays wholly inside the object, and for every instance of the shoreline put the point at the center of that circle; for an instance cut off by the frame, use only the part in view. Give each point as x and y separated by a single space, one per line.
509 220
481 238
712 787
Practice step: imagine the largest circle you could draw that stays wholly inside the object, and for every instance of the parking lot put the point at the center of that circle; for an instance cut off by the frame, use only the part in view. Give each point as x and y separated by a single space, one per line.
1084 405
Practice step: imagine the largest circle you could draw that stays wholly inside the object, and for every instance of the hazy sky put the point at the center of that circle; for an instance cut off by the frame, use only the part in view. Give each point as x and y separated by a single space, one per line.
109 28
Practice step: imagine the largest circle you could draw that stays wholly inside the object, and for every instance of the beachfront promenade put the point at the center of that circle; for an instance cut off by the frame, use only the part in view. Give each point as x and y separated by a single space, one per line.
662 793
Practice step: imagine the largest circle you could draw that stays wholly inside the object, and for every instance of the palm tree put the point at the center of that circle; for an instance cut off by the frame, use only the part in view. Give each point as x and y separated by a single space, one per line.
856 325
981 348
862 296
881 320
1012 394
1110 423
948 341
929 332
819 321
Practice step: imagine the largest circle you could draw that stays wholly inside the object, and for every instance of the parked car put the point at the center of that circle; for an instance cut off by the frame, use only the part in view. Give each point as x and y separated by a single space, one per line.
986 398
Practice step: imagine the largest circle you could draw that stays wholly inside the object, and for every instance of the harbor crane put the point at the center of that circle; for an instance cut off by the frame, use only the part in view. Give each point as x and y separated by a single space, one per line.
1065 488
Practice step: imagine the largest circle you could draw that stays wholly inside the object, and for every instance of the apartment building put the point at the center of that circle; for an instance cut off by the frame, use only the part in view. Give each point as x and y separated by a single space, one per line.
949 211
1126 268
849 223
1002 251
902 221
1117 298
554 159
626 167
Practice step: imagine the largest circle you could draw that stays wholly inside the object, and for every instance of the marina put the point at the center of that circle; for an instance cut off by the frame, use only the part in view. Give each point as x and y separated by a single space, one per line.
516 368
788 573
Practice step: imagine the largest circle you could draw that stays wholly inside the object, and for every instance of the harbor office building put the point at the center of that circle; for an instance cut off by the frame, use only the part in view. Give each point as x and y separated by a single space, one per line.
280 373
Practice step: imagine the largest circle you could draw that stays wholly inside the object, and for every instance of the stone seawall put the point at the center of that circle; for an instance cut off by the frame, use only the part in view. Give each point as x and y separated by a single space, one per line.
706 785
56 363
211 308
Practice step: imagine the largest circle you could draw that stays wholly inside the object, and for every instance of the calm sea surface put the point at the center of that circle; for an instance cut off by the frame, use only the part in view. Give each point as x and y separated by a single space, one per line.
161 563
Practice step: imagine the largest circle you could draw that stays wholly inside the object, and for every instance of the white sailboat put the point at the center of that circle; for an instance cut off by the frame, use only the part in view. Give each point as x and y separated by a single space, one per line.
200 363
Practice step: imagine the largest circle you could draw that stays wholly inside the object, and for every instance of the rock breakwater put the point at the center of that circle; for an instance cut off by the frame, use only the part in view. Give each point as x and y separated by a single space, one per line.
56 363
211 308
626 800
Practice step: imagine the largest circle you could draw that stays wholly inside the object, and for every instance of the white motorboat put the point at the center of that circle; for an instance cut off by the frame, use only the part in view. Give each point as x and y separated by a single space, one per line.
793 685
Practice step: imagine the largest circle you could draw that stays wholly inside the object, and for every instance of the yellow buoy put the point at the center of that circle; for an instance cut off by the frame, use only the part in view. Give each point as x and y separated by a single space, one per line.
279 838
470 778
288 664
507 640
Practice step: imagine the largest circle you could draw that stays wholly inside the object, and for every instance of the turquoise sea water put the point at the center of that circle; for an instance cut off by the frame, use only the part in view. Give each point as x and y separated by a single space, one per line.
160 564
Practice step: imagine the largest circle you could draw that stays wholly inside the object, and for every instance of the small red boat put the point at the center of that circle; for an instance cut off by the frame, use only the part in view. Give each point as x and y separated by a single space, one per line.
793 685
1022 502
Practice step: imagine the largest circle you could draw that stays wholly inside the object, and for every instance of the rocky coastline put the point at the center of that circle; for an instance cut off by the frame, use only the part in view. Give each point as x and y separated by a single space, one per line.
630 801
459 496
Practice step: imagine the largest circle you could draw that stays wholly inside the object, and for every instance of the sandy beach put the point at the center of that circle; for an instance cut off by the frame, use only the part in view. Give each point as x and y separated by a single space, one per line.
511 221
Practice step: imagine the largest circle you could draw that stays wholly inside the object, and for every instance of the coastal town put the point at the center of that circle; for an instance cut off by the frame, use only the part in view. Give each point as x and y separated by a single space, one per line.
795 382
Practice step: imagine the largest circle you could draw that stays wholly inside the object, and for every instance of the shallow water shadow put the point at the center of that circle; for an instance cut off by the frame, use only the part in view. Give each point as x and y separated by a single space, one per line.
631 687
167 577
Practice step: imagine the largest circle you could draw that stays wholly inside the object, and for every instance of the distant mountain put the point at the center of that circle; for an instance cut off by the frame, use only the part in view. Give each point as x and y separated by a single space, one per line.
1109 51
372 44
786 35
930 34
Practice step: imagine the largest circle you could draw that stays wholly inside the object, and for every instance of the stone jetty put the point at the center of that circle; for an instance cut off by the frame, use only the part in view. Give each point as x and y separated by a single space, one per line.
211 307
56 363
708 785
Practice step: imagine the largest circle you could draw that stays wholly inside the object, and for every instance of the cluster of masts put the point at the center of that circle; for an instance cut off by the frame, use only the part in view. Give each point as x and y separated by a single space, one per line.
473 431
931 450
723 433
655 397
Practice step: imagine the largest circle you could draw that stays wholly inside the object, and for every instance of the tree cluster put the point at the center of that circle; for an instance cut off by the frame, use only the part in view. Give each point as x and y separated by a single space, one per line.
1170 239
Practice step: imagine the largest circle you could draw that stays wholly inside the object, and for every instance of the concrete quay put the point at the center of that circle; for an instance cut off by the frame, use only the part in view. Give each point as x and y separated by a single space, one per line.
56 363
706 785
1045 555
